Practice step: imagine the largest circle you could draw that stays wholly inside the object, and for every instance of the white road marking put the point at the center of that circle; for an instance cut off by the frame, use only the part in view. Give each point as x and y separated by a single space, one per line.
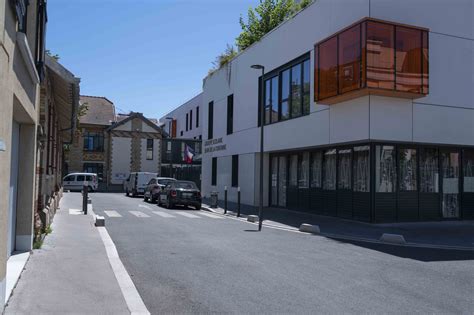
112 214
132 297
144 206
188 215
75 211
210 215
163 214
139 214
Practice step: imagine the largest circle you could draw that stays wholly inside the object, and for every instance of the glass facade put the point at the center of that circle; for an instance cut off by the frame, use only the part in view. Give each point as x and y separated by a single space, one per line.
378 55
287 91
376 182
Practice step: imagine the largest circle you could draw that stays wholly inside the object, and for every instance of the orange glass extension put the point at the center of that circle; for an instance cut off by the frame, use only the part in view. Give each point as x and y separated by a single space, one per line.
372 57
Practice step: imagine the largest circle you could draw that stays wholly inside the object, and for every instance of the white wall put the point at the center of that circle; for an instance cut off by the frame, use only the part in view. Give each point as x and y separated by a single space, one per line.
150 165
180 115
444 116
120 159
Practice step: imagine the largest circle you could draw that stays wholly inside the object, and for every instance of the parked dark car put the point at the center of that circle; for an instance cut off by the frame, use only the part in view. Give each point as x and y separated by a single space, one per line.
180 192
154 186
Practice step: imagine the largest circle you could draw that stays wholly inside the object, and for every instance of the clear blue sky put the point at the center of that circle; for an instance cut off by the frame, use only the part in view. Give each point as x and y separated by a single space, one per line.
145 55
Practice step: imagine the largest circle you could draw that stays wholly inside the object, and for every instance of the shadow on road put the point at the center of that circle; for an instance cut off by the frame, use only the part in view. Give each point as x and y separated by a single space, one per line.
417 253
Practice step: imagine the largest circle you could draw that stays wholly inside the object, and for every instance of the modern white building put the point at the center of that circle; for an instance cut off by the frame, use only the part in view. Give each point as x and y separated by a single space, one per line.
185 120
369 113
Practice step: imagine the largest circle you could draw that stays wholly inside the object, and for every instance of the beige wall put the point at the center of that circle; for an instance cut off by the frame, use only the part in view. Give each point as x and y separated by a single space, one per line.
19 94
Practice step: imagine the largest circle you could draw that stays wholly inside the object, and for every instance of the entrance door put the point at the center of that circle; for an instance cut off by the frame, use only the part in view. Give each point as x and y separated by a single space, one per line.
274 181
450 184
13 191
282 177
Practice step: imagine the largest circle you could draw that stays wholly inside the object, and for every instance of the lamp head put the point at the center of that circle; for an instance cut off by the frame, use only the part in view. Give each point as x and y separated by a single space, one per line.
257 67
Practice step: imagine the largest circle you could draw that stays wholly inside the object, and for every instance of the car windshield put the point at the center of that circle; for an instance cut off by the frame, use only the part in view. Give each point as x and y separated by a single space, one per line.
165 181
185 185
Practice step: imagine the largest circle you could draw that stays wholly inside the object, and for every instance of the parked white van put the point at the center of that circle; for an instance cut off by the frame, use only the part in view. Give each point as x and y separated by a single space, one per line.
136 183
75 181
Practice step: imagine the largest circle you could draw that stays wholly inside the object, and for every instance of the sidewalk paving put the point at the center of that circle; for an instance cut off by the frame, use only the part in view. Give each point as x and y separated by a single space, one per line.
456 234
71 272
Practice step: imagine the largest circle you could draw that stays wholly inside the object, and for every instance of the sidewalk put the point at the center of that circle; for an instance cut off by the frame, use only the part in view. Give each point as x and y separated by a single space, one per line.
71 272
456 234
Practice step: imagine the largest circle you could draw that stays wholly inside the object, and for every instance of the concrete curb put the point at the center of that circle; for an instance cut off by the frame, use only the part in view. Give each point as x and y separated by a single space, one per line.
308 228
99 220
252 218
353 238
393 239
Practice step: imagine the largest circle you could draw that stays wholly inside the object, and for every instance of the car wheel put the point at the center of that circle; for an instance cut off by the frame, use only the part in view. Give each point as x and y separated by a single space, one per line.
198 207
126 193
145 198
152 199
134 193
169 205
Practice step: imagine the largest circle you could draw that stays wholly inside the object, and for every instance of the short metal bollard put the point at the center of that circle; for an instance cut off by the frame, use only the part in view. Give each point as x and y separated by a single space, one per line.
238 201
214 198
225 200
85 190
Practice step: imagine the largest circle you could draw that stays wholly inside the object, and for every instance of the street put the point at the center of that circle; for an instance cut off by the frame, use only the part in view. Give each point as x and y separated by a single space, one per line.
187 261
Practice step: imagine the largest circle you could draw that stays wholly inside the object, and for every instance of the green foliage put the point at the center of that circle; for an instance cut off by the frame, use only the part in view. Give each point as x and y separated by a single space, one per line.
223 58
37 244
265 17
48 230
81 111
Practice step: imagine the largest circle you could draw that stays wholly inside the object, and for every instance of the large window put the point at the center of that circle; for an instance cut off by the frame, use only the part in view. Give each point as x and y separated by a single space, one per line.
230 114
191 119
97 168
345 169
468 170
361 167
210 122
329 170
407 165
286 91
93 141
197 117
429 171
316 169
377 55
385 168
187 118
303 178
293 180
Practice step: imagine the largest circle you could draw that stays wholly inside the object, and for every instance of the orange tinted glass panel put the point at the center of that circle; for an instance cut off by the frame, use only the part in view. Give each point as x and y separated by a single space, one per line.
425 63
349 59
408 59
363 50
328 68
380 55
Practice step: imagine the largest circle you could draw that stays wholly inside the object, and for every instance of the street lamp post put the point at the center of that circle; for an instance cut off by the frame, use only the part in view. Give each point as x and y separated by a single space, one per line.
262 120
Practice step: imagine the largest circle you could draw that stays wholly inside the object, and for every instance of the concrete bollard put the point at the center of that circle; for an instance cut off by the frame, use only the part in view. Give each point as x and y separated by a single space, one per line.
99 220
252 218
393 238
309 228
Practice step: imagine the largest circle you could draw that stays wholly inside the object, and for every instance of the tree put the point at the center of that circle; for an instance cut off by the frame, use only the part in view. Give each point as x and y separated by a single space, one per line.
265 17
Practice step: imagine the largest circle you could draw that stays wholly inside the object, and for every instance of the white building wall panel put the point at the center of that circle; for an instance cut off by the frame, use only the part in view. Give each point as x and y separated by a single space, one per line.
390 118
150 165
349 121
120 159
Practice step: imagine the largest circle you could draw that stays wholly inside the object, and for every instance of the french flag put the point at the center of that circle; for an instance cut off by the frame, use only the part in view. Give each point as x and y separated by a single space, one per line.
188 154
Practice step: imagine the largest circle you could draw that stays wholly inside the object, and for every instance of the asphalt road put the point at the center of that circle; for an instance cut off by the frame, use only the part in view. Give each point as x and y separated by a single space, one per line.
183 261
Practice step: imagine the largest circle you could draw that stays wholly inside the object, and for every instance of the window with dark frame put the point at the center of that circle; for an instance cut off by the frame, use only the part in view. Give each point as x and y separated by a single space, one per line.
210 122
93 141
230 114
197 117
149 149
191 119
235 170
214 172
187 117
287 92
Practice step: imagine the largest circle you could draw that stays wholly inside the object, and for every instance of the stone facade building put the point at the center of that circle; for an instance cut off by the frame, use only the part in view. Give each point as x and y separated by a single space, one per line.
88 151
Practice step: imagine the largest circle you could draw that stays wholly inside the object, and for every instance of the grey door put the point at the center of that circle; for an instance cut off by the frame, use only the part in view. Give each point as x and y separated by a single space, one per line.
450 184
13 191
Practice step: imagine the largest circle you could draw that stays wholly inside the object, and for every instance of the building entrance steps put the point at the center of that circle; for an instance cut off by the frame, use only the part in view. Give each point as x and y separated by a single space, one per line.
442 234
71 272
